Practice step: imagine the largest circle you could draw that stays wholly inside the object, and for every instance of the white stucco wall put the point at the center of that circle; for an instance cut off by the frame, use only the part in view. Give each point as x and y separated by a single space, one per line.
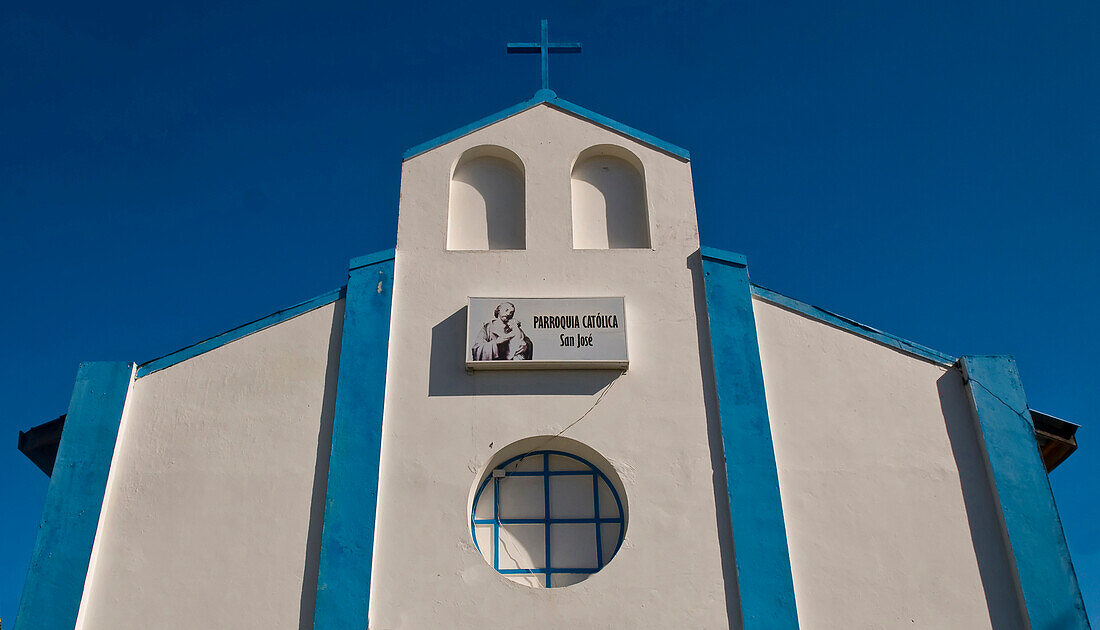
215 498
214 504
485 210
889 513
442 425
609 206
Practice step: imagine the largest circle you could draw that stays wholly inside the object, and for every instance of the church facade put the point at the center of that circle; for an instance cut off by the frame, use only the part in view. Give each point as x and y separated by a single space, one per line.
550 407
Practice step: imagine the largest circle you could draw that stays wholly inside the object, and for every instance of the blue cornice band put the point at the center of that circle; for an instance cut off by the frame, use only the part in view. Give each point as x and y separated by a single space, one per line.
822 315
243 330
620 128
1052 597
852 326
765 582
370 259
455 134
70 516
347 540
721 255
551 99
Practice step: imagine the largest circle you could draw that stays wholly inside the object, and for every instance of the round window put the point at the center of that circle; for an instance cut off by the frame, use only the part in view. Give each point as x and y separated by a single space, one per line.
548 517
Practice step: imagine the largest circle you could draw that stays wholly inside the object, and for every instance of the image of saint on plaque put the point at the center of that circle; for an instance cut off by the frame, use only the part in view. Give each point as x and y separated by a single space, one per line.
502 338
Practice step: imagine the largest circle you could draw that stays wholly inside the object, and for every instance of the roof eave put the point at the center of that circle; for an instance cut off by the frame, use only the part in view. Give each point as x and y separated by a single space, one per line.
548 97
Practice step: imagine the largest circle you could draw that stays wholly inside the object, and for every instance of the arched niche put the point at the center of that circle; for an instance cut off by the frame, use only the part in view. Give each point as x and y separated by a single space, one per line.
609 200
486 209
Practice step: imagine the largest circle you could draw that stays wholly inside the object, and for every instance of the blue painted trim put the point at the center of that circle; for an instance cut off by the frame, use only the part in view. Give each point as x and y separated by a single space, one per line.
496 522
721 255
867 332
351 502
828 317
595 513
1052 596
538 571
552 99
618 127
70 517
243 330
552 521
552 473
765 583
370 259
546 521
464 130
546 514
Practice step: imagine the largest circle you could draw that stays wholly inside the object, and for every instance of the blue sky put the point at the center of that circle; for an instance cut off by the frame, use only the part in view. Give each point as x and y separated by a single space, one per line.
170 171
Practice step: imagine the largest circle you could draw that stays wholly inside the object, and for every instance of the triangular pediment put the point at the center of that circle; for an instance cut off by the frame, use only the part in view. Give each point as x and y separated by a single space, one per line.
551 99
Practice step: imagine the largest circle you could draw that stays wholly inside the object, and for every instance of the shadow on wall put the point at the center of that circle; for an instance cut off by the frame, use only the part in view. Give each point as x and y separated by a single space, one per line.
320 475
447 375
609 200
714 439
487 205
1002 596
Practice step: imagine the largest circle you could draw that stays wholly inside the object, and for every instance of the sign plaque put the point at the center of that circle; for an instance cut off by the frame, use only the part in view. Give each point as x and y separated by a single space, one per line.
546 333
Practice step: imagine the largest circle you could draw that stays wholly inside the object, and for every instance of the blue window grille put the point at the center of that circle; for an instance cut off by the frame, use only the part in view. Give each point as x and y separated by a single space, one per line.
557 496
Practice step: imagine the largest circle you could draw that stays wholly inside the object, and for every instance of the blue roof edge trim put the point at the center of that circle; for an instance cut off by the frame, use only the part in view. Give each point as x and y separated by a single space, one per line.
722 255
850 325
370 259
619 127
234 334
758 529
552 99
828 317
343 579
464 130
60 564
1039 555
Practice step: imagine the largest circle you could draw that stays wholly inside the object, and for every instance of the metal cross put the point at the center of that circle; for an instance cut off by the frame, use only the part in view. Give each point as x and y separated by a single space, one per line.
544 47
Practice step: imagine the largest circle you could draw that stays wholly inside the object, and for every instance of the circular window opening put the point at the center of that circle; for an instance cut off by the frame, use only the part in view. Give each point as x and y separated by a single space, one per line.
548 517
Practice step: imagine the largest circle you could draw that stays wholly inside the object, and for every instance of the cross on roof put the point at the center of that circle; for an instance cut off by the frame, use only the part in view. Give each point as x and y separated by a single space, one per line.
544 47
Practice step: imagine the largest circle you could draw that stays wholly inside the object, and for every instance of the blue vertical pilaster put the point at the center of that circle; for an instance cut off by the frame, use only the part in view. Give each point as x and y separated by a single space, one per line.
351 501
765 585
1052 598
70 516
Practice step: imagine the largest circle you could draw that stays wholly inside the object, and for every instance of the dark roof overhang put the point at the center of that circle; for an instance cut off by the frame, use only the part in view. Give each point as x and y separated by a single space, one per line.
40 443
1056 438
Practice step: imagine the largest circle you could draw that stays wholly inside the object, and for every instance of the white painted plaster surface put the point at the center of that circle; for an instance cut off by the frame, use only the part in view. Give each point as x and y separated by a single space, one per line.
212 517
888 510
442 425
609 206
486 206
213 510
